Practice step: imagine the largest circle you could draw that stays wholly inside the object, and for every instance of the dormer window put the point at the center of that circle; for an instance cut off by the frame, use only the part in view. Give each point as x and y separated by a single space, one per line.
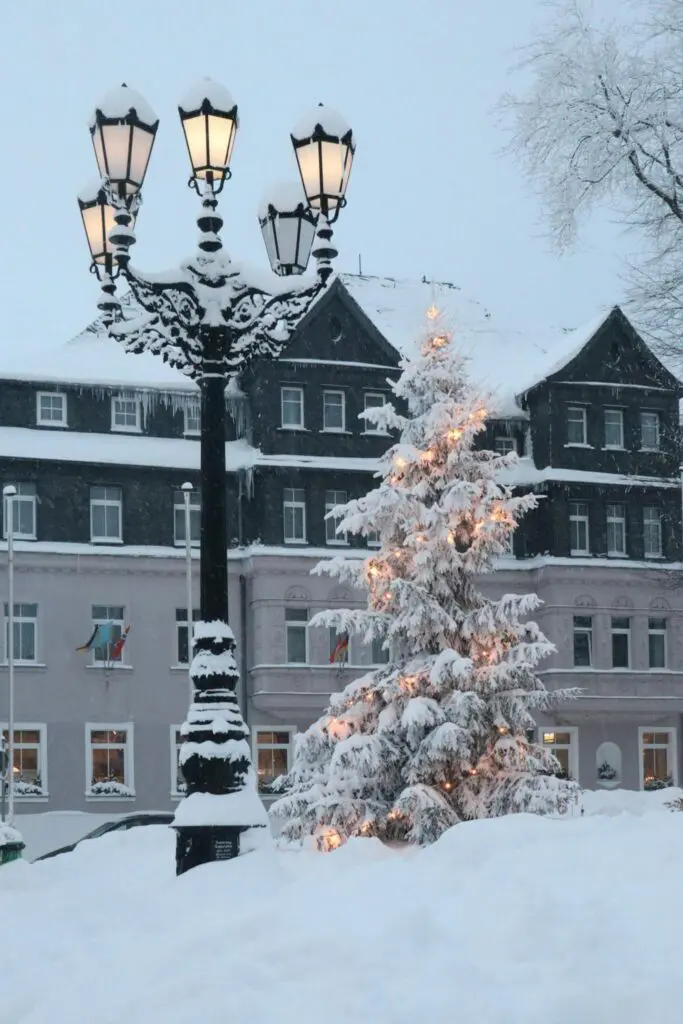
51 409
577 432
614 428
125 414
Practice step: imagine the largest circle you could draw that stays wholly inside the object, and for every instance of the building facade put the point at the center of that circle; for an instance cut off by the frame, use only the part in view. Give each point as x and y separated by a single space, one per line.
99 443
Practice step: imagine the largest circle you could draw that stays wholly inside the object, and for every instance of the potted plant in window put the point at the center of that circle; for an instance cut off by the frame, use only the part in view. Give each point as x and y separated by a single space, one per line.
652 782
109 786
27 787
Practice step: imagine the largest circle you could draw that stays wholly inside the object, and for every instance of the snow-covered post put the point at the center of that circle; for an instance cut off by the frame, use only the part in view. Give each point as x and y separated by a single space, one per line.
209 320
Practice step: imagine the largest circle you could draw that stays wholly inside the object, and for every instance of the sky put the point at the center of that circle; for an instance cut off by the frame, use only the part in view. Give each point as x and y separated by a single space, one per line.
430 194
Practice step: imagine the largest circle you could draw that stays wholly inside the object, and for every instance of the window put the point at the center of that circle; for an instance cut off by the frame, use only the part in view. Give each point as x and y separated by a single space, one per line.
652 531
616 530
296 621
621 642
105 513
656 642
380 654
272 755
657 758
578 528
109 760
292 401
583 641
564 745
373 400
614 428
373 539
179 518
334 411
576 425
23 512
332 499
178 784
340 647
25 631
649 431
192 418
125 414
29 759
503 445
51 409
182 638
294 515
111 617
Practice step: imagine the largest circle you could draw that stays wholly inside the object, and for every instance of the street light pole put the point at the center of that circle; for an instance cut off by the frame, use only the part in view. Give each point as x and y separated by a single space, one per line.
210 319
187 496
9 493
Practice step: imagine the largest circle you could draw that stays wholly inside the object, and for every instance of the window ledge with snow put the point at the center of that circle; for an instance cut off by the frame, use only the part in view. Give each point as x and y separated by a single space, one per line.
25 664
296 543
109 791
613 448
106 667
578 444
335 430
293 430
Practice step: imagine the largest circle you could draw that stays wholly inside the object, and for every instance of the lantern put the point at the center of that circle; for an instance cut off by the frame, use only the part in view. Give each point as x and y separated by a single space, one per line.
208 115
288 227
123 128
98 220
324 147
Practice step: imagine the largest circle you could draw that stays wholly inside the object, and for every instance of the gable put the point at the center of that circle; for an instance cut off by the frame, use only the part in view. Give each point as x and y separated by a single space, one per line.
336 329
616 355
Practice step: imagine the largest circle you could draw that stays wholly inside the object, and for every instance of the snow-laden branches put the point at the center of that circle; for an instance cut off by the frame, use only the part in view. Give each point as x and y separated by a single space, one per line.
440 733
601 121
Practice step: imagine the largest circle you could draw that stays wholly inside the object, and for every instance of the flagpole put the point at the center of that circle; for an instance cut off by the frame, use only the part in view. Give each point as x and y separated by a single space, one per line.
187 494
9 494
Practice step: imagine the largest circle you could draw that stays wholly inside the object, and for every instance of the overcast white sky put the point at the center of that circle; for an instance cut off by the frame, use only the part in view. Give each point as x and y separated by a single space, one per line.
430 192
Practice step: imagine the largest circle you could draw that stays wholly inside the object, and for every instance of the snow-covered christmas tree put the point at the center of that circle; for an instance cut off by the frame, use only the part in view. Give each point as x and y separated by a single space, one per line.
440 734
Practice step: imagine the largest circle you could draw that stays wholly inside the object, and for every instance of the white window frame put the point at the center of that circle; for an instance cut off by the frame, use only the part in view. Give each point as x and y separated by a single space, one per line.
40 420
120 622
331 536
386 651
41 728
179 516
579 518
106 502
28 497
620 631
297 624
183 624
619 413
658 421
373 542
292 503
302 416
613 520
504 444
658 631
334 430
18 619
671 747
584 420
176 744
583 630
256 746
128 757
126 428
572 747
648 521
367 429
192 406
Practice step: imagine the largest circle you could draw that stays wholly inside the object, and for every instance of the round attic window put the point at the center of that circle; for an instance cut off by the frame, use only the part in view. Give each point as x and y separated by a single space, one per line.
336 332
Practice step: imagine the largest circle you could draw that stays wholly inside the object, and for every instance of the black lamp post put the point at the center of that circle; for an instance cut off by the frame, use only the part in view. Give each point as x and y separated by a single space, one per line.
209 321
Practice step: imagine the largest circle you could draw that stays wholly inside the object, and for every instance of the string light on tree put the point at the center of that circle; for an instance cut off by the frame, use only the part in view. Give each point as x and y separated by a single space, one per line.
440 733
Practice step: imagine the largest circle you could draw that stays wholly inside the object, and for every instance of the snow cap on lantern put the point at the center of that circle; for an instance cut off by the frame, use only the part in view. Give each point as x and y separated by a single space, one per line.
208 115
288 227
123 127
324 147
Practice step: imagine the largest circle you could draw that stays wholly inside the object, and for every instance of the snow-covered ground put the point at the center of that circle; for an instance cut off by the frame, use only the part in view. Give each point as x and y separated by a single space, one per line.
520 919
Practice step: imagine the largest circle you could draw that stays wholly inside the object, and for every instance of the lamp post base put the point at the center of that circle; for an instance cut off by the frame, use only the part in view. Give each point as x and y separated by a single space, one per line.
202 844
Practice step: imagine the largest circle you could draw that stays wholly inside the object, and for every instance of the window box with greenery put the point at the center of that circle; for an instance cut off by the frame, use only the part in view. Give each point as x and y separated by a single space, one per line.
109 762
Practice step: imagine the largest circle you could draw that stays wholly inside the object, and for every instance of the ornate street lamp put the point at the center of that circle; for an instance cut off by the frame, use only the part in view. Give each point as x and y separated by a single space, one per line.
288 226
210 321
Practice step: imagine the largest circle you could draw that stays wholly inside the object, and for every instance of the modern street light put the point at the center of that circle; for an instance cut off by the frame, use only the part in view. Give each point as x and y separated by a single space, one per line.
209 320
9 494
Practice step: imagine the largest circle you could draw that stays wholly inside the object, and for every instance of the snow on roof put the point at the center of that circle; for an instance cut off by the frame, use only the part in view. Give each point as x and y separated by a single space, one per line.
503 360
119 102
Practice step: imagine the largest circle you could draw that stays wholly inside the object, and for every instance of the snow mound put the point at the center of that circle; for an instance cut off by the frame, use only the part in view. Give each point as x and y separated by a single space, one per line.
518 920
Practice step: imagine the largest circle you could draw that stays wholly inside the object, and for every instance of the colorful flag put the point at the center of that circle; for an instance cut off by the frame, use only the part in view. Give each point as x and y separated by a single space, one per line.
102 634
119 645
341 651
